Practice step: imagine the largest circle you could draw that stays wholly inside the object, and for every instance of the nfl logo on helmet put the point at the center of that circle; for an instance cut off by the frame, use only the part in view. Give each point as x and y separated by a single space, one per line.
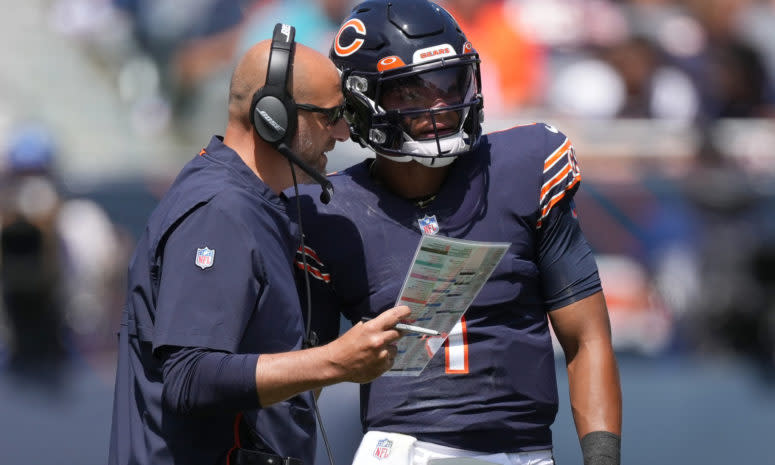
382 451
428 225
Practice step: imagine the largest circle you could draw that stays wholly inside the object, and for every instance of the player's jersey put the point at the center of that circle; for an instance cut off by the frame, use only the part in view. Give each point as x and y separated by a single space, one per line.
492 387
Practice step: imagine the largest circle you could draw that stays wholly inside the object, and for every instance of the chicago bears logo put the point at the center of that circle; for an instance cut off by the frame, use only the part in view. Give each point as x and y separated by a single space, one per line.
356 44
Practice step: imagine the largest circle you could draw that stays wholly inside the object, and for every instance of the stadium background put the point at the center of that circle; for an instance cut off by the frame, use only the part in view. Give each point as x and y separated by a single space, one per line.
668 102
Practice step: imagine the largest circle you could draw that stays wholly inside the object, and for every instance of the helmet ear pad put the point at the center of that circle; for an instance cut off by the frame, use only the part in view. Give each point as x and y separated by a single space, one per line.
273 116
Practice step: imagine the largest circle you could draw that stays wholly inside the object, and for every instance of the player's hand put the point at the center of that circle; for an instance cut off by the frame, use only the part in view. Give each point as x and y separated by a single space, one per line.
368 349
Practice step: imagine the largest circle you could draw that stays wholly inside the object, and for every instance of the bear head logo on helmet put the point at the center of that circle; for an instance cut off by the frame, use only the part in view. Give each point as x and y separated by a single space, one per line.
411 81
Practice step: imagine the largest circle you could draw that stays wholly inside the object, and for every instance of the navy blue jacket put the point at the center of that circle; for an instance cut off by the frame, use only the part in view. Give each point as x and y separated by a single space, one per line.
213 272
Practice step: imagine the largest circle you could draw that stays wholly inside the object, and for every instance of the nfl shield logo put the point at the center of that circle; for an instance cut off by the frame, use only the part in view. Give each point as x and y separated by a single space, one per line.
204 258
429 225
382 451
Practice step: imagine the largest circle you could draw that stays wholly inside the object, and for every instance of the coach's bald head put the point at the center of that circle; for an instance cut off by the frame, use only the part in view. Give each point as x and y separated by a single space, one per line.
313 75
313 80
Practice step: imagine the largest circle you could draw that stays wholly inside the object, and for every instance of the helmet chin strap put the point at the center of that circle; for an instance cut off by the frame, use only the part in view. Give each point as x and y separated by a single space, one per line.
434 162
451 144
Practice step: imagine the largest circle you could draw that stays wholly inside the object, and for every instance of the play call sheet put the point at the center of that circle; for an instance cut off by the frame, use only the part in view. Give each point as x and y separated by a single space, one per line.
444 278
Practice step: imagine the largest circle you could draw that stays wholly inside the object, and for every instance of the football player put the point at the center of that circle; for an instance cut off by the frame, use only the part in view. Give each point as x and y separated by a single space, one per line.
413 91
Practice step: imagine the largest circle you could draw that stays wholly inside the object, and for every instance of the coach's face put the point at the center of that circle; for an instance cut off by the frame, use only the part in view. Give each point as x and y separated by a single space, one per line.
317 134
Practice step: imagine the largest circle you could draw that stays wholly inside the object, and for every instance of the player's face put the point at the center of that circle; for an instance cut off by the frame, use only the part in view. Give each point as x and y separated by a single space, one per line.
435 90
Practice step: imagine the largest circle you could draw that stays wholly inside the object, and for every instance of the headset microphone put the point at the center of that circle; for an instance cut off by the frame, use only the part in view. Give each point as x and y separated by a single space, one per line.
325 184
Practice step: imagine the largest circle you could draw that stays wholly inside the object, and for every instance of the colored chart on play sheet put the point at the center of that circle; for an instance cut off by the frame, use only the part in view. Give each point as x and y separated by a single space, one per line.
445 277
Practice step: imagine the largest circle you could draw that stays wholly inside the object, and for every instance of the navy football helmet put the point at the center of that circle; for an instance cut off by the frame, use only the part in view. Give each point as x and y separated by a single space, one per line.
411 81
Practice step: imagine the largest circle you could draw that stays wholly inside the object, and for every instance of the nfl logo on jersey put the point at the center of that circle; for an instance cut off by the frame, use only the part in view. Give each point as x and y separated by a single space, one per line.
382 451
204 258
428 225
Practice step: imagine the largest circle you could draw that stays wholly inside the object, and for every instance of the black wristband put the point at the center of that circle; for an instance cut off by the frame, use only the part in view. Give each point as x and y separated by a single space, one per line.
601 448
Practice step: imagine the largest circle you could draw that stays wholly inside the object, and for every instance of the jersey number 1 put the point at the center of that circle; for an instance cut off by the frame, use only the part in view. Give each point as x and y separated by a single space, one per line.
456 349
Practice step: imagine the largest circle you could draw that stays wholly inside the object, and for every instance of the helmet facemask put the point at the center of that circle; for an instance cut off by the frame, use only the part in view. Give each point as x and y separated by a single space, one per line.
429 112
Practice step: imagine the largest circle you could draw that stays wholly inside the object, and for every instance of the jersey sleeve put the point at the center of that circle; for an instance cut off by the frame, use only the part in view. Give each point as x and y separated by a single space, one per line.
209 284
565 259
560 179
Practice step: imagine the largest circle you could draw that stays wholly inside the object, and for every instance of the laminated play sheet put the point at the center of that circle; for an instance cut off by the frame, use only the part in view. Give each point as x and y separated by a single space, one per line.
444 278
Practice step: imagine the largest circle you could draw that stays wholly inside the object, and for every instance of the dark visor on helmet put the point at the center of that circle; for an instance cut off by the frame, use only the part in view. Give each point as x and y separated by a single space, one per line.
447 86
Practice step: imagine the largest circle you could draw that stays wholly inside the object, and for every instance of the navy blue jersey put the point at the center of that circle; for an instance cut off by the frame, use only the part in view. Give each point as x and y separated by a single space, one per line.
213 270
493 387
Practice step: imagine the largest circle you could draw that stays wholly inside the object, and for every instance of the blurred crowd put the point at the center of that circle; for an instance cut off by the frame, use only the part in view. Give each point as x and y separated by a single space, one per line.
686 258
692 60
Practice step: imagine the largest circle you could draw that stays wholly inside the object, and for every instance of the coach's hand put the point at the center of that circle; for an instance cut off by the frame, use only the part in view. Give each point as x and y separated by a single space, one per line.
368 349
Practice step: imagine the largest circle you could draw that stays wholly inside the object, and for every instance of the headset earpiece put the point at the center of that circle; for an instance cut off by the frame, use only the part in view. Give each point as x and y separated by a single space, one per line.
273 119
272 110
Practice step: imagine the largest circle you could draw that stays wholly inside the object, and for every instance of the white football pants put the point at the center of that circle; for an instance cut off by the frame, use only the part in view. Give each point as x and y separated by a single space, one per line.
379 448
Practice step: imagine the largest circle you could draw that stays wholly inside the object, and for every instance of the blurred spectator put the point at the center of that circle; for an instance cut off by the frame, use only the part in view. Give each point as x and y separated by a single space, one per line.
30 271
586 88
59 257
316 21
186 39
757 27
739 83
730 72
712 260
512 62
163 52
734 306
577 82
569 25
653 87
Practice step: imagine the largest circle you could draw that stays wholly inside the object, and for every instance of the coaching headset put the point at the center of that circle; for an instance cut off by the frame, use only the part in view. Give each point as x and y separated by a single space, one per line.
273 111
